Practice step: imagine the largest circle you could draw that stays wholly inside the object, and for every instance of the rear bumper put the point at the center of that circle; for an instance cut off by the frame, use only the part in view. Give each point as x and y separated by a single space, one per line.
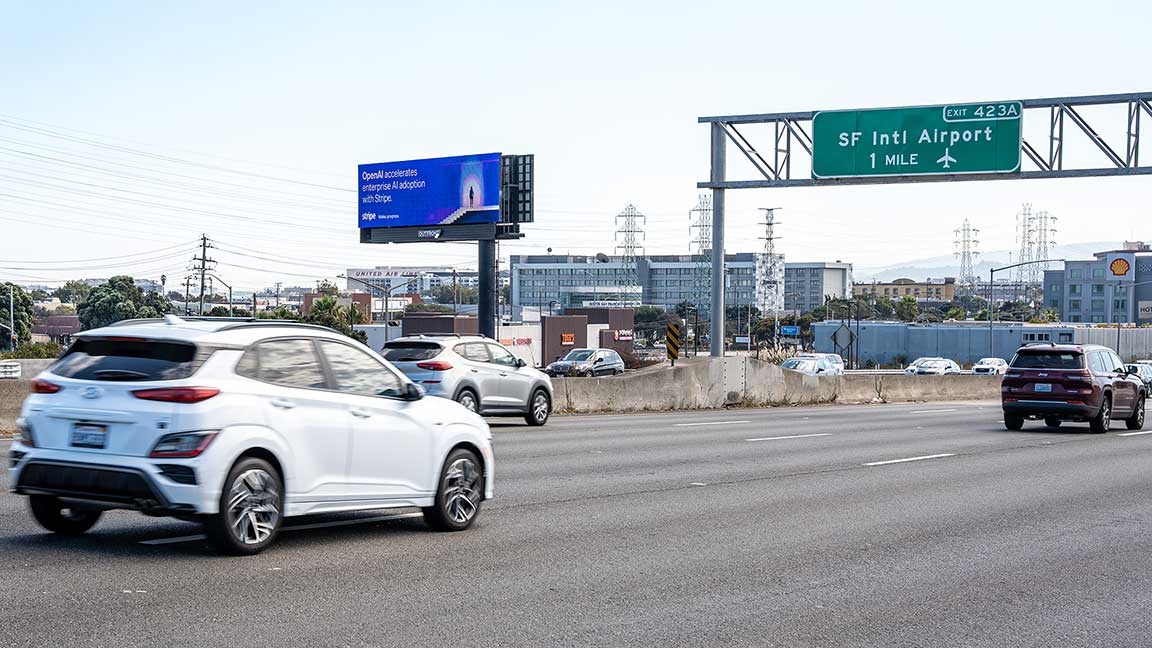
1042 408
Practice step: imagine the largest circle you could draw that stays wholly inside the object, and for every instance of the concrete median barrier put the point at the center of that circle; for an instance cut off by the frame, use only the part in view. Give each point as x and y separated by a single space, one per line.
711 383
12 393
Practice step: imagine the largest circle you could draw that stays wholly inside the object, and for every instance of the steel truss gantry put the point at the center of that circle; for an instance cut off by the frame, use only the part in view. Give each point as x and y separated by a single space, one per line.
791 146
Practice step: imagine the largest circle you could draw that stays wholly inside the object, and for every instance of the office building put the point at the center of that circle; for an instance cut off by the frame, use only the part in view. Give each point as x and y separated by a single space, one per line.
809 284
929 292
1115 286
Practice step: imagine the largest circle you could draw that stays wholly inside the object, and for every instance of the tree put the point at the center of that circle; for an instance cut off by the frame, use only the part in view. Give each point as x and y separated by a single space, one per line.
956 313
325 287
281 312
427 308
464 295
117 300
884 307
72 292
650 323
176 296
218 311
39 295
326 311
907 309
22 307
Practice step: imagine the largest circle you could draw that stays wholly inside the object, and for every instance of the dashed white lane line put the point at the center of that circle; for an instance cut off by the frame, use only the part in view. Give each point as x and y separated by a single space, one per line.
709 423
896 461
791 436
934 411
318 525
1135 433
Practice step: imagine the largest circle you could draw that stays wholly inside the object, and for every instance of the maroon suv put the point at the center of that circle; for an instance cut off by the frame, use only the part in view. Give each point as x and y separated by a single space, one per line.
1071 382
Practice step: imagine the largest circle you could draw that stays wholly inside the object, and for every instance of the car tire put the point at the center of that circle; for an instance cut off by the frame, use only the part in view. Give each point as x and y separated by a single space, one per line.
589 374
459 493
535 415
58 517
1103 419
1136 421
618 372
1013 422
1052 422
251 509
469 400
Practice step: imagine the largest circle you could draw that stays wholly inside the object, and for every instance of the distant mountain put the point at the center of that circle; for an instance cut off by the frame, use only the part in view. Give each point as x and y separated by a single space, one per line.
949 266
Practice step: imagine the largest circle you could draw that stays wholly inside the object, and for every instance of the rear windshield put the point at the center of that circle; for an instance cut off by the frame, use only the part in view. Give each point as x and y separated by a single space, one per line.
410 351
128 360
799 365
1048 360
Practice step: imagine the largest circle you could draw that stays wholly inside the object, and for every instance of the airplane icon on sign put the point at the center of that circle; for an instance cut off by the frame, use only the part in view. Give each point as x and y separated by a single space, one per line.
946 160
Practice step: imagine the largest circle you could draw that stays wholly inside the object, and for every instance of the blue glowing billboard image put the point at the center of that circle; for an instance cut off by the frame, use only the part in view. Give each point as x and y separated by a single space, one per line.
439 191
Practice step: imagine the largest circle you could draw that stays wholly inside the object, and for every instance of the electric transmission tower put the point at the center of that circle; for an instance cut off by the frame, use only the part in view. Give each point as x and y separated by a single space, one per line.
769 269
700 227
1025 233
1044 241
966 245
628 236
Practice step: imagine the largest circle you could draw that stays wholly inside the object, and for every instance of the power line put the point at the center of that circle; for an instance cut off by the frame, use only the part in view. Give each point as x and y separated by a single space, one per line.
119 256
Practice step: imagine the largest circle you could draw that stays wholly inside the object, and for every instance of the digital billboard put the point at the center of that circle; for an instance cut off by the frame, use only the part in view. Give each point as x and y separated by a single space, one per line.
459 190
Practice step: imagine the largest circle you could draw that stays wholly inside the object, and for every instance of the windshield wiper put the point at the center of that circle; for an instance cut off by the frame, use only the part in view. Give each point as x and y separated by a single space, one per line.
120 374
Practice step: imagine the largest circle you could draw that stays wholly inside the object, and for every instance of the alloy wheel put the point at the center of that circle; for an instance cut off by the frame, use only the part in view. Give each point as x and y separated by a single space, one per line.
468 401
540 407
461 490
1106 415
253 506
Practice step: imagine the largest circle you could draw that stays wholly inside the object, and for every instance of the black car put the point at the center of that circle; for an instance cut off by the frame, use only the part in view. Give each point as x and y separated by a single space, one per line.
588 363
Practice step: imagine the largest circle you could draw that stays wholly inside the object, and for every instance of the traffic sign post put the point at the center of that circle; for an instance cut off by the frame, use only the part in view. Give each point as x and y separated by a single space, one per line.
930 140
672 342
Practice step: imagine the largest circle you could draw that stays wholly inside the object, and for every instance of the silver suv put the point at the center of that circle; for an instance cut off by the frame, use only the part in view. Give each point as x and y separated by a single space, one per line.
476 372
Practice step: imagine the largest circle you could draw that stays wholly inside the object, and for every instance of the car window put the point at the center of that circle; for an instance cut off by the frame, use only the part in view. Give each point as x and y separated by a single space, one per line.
474 351
1113 361
291 363
134 360
410 351
1048 360
614 357
501 356
578 355
357 372
1096 363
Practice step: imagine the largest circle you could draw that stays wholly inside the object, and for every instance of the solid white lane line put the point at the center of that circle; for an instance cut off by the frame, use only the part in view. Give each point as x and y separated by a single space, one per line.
896 461
934 411
318 525
709 423
791 436
1135 433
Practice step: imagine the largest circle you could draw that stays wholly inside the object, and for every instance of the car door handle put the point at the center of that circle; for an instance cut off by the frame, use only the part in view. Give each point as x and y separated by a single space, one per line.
474 370
283 404
503 373
359 413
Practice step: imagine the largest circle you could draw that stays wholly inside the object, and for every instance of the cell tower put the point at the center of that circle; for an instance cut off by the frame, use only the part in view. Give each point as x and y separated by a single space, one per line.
966 245
1045 233
700 227
769 269
628 236
1025 234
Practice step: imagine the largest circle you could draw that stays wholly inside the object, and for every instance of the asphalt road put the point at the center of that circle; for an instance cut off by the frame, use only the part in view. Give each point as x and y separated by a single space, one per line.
660 530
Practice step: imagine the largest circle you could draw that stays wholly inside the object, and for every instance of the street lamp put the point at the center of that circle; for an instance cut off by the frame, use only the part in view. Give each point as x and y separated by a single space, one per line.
550 305
992 295
217 278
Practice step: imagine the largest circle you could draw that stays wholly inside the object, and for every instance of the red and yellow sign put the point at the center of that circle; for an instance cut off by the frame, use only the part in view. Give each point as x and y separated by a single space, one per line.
567 339
1120 267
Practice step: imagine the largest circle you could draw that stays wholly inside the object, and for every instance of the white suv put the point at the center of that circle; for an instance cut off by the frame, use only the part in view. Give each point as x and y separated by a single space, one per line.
239 424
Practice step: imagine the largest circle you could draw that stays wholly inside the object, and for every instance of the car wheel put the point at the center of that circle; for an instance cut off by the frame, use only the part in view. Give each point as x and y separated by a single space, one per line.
1052 422
58 517
468 399
1013 422
1103 419
618 372
1136 421
589 373
251 509
539 408
458 496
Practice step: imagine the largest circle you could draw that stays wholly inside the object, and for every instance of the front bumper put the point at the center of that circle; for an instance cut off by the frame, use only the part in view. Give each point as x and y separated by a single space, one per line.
1050 408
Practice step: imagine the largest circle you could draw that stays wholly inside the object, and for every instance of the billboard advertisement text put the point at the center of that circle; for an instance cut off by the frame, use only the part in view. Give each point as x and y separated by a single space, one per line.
440 191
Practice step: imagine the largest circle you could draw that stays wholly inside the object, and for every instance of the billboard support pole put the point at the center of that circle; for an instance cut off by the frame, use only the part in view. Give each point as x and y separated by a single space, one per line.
718 159
487 288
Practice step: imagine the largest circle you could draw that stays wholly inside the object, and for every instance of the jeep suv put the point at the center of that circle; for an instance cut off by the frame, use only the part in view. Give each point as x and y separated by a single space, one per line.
1070 382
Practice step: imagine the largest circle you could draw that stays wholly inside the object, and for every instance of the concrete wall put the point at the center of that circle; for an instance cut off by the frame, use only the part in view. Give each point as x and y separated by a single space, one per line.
12 393
710 383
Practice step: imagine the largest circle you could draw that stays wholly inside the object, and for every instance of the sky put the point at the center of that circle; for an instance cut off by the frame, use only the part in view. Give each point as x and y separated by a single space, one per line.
128 129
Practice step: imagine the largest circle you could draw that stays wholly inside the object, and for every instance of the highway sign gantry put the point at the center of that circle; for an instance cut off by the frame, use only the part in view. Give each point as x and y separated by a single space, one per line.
672 341
929 140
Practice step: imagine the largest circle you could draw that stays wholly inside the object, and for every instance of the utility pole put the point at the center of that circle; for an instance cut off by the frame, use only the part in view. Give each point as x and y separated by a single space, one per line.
187 294
12 316
203 260
277 295
455 292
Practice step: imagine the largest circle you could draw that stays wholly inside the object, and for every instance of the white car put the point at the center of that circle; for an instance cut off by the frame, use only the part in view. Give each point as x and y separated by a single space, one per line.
990 366
937 367
815 364
237 425
910 370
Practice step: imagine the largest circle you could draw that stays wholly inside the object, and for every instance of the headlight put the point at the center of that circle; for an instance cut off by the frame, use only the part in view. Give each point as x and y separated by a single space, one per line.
182 444
25 431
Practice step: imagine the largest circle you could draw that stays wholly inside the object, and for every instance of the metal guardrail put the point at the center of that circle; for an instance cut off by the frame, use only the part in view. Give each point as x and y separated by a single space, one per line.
10 369
895 372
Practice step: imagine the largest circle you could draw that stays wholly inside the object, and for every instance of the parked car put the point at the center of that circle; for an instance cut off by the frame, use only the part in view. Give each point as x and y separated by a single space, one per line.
237 425
475 371
587 363
990 366
1070 382
1142 371
812 365
936 367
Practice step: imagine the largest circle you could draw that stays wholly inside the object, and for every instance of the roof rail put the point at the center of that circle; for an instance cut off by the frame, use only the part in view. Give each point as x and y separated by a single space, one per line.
264 322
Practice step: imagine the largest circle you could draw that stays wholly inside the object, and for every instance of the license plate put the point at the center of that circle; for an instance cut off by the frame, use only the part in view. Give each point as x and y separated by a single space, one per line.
1042 387
89 436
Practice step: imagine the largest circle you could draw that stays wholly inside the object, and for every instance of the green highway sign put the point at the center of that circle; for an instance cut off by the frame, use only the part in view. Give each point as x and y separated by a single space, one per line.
926 140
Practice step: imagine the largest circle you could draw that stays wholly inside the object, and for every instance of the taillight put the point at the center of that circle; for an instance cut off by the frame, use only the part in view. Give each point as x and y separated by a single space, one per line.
44 387
25 431
435 365
177 394
182 444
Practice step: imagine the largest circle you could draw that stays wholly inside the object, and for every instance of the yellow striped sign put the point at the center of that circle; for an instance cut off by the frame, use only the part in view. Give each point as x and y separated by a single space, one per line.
672 341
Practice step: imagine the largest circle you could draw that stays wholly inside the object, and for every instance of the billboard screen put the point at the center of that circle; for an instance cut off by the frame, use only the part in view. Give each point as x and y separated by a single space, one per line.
440 191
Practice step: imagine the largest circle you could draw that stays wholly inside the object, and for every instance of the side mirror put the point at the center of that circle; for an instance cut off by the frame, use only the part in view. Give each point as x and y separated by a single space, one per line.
414 392
598 361
520 362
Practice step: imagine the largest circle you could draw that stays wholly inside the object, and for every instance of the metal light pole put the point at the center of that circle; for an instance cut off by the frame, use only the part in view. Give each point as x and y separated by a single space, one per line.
991 295
229 293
